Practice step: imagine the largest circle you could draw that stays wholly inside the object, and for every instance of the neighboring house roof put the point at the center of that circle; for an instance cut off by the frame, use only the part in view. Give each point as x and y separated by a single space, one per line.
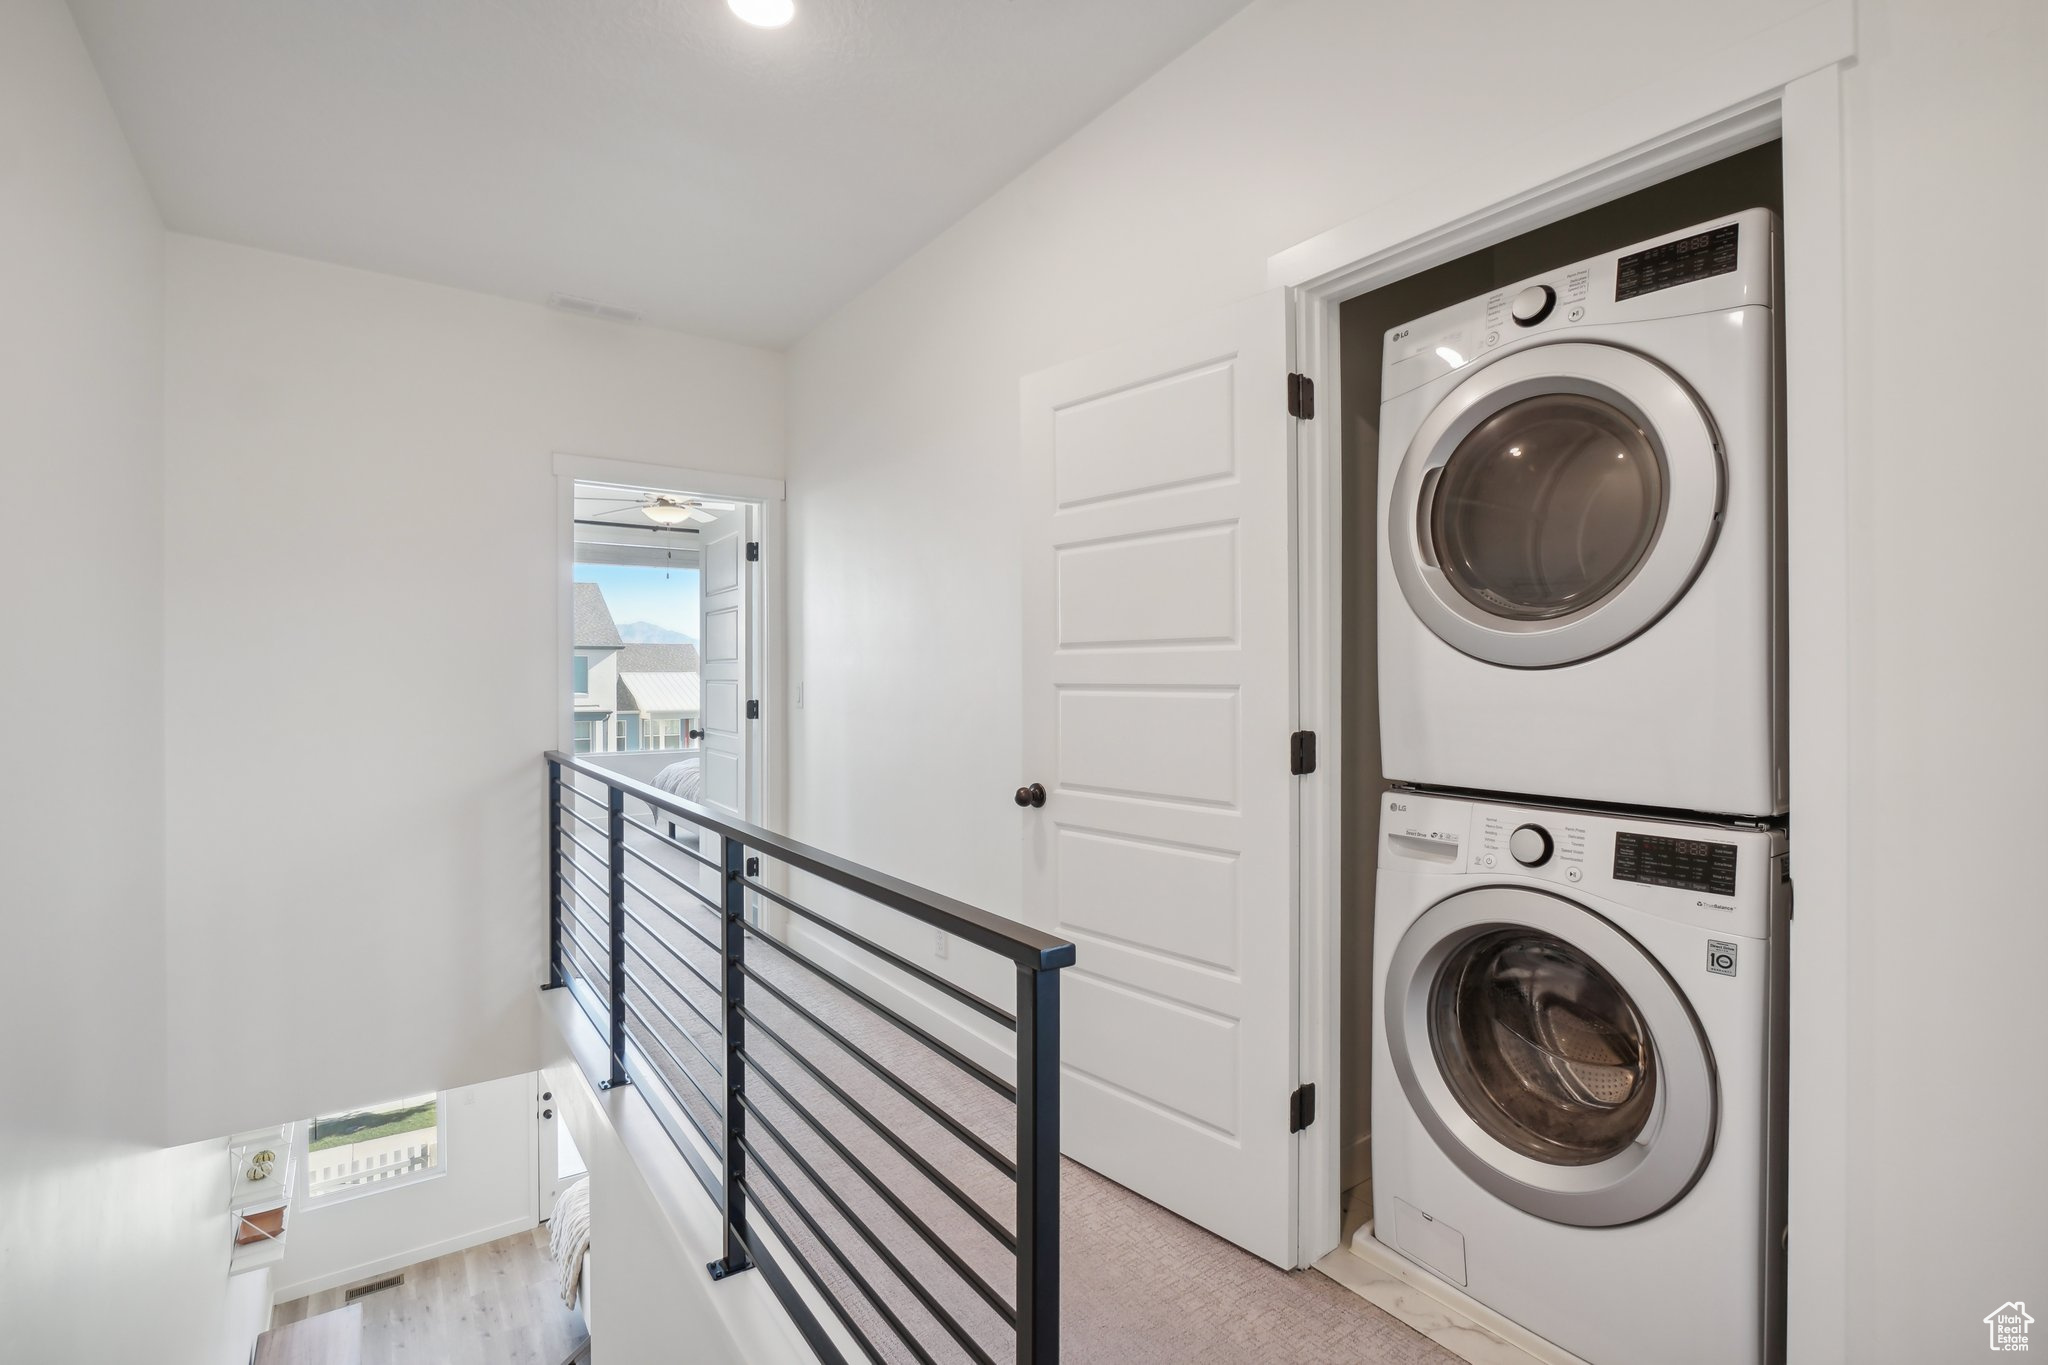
658 692
658 659
595 628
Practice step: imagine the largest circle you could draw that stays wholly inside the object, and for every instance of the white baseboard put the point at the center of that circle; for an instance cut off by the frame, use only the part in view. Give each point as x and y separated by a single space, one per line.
384 1265
1436 1308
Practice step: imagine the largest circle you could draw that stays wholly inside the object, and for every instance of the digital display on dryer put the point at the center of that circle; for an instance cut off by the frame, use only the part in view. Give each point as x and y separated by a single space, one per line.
1689 864
1698 257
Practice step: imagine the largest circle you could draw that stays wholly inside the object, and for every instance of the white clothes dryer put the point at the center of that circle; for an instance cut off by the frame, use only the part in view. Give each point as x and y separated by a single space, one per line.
1579 491
1578 1072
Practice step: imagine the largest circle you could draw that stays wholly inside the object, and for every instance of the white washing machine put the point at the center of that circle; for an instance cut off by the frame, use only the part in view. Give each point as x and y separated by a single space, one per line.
1579 589
1578 1075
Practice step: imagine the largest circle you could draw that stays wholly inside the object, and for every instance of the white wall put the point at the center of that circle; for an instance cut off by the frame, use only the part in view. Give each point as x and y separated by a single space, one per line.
359 496
488 1188
1299 115
93 1212
1946 113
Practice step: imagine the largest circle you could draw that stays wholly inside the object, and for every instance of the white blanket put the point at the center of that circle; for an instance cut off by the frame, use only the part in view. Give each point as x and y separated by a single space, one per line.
569 1237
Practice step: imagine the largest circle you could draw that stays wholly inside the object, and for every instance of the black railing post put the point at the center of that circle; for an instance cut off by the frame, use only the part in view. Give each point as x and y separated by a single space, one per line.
733 949
615 801
555 978
1038 1166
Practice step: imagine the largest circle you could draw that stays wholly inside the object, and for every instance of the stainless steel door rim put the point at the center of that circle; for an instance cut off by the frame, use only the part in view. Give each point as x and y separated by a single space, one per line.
1649 1168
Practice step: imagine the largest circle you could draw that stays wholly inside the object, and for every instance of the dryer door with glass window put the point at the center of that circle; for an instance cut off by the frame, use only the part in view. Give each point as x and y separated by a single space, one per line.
1550 1057
1555 504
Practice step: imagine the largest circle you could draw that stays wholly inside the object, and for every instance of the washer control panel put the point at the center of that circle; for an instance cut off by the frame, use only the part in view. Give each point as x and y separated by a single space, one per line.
1554 844
1723 878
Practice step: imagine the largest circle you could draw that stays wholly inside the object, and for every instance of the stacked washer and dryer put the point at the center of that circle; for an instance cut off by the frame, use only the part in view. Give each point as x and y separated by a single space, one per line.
1579 932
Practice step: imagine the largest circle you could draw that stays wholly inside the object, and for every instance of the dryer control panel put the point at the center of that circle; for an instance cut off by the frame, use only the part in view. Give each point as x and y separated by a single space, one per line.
1728 263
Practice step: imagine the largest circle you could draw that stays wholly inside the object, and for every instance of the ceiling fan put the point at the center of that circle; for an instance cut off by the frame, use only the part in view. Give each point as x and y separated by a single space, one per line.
663 509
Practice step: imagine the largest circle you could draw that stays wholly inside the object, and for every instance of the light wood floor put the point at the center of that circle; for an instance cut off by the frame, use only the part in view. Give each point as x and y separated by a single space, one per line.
496 1304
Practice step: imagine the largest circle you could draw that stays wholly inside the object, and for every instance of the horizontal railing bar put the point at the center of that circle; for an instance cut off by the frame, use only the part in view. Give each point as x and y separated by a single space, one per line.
938 1244
602 860
946 1050
1018 942
968 1204
587 949
810 1273
576 945
595 936
677 1024
681 1106
595 828
676 844
967 1137
846 1266
678 921
708 900
589 989
593 906
896 960
867 1234
681 1069
638 952
668 947
574 790
572 862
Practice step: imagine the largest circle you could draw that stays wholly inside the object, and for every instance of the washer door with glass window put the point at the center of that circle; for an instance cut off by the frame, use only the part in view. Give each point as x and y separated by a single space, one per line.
1551 1058
1555 504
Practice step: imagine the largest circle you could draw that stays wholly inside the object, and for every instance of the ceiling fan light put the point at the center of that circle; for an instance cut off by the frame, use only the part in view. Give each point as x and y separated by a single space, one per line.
662 512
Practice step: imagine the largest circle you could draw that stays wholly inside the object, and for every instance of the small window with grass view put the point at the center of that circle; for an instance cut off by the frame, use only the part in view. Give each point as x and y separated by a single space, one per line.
358 1150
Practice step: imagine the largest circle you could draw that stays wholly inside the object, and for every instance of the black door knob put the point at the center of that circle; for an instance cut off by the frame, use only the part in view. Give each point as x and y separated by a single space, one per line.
547 1113
1033 795
696 734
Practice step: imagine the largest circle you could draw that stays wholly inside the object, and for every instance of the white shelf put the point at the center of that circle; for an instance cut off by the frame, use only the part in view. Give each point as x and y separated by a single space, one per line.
250 1197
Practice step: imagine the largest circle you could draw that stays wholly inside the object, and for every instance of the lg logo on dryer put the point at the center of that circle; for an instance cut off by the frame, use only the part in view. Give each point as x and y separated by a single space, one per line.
1720 957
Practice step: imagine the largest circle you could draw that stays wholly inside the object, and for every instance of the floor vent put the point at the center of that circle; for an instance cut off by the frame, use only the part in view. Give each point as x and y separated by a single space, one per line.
388 1282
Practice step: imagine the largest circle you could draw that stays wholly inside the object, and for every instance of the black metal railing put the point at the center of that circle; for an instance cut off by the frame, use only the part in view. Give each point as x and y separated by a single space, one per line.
903 1179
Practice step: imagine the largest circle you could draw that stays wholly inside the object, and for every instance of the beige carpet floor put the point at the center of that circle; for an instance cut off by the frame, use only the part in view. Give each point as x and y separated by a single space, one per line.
1139 1285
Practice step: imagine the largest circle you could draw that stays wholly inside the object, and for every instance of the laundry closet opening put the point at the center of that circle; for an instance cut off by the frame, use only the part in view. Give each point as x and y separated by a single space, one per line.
1748 180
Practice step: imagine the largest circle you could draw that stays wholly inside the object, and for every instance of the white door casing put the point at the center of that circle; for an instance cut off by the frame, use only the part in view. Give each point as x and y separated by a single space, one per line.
722 662
1159 657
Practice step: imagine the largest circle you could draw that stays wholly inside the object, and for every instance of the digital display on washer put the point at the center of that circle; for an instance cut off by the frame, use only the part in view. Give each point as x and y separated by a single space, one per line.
1699 257
1689 864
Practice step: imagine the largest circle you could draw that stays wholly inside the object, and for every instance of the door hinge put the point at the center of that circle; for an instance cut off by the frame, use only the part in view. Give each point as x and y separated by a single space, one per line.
1301 753
753 710
1301 396
753 551
1301 1108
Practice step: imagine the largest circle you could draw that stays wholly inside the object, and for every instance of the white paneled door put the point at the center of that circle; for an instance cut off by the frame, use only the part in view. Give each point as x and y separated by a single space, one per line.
722 661
1158 707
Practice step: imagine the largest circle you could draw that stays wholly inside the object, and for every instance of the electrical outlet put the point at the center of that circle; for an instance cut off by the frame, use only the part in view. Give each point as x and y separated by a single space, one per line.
939 944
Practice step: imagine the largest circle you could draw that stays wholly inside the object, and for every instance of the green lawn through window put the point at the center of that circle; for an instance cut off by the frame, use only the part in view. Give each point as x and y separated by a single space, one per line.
361 1125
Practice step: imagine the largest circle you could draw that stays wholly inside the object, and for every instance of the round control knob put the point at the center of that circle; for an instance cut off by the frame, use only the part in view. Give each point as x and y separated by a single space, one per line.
1531 845
1533 305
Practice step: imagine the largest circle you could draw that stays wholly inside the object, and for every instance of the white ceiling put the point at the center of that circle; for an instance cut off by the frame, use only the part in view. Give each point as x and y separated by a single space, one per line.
655 155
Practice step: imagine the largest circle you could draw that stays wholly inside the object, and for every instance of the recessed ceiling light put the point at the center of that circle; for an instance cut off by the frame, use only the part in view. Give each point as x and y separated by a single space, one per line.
764 13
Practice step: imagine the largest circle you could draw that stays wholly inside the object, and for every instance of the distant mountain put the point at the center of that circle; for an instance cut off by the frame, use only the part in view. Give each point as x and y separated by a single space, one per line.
647 633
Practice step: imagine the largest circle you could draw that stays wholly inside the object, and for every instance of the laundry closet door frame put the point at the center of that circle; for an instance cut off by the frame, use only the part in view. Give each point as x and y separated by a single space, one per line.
1785 85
